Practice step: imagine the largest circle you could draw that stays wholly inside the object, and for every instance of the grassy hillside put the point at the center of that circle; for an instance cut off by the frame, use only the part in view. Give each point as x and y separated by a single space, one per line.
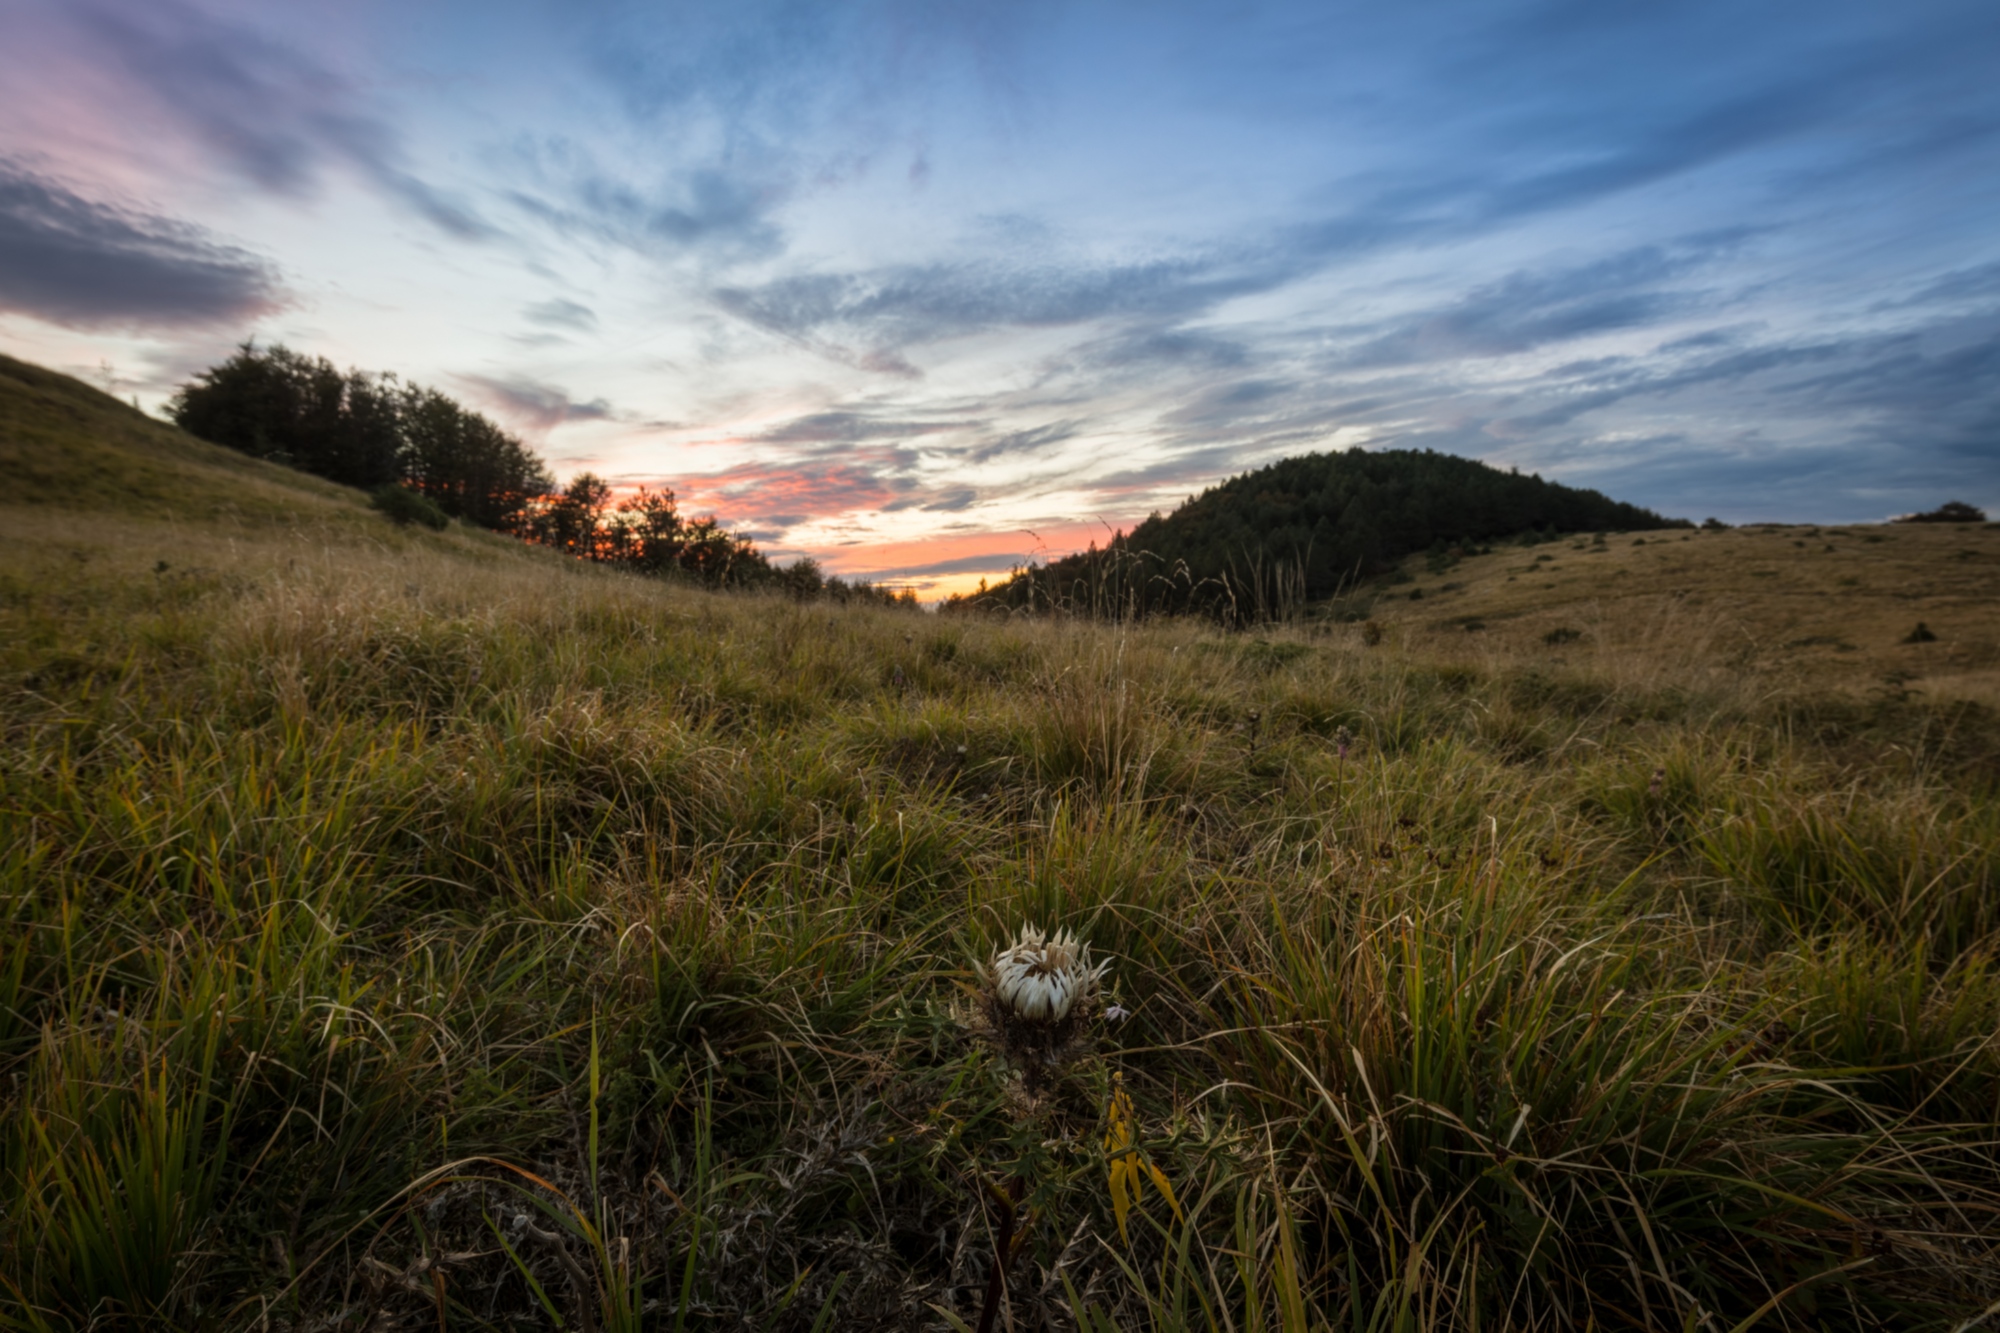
417 931
1806 607
65 446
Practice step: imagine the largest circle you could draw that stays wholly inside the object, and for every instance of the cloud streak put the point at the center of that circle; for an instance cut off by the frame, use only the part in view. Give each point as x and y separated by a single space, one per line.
702 211
532 406
782 496
910 305
270 113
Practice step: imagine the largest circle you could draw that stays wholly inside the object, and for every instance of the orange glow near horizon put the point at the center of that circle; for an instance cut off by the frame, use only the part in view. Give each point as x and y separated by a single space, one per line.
908 563
882 561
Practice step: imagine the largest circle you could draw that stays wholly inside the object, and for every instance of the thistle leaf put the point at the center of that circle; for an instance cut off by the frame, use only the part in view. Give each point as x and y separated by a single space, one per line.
1121 1200
1128 1166
1166 1189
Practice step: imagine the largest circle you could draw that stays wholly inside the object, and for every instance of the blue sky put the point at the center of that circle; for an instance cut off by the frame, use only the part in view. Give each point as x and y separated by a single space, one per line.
926 289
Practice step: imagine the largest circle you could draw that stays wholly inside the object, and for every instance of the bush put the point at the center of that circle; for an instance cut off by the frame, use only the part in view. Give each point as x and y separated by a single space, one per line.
1952 511
404 506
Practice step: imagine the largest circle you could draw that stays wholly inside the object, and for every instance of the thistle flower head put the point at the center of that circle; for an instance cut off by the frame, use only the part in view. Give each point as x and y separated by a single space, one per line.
1042 979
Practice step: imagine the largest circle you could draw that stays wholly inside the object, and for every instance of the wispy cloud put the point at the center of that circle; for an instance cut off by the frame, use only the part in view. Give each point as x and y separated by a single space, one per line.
1525 310
848 427
561 313
911 305
1016 444
784 495
275 116
702 210
531 406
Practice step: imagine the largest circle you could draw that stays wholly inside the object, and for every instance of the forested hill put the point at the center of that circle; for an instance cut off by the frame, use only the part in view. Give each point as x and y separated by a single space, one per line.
1301 528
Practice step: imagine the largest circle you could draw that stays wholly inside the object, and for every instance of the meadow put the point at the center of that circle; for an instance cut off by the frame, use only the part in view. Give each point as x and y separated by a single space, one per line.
405 930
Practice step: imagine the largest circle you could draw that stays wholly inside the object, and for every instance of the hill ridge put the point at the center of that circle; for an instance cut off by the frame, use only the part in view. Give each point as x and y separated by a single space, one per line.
1301 528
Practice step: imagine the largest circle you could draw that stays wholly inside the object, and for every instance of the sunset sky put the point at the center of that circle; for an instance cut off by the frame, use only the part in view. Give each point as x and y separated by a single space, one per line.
928 289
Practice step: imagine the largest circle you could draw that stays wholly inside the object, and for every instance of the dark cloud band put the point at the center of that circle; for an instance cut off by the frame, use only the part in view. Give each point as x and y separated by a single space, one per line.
78 262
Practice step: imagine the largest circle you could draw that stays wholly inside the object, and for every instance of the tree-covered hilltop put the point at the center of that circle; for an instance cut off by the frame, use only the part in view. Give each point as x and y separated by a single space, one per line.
1302 529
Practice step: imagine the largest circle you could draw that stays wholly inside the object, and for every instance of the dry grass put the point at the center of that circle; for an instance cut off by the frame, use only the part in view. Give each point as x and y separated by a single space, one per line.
410 930
1805 608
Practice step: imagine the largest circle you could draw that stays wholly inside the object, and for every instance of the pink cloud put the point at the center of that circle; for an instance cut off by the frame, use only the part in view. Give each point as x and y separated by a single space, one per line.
785 494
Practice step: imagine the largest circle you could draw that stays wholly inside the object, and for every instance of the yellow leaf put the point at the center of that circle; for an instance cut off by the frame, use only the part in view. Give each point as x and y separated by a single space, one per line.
1119 1133
1167 1190
1128 1168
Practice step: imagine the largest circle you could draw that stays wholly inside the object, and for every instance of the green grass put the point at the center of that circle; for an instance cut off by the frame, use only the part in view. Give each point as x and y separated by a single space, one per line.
66 446
403 928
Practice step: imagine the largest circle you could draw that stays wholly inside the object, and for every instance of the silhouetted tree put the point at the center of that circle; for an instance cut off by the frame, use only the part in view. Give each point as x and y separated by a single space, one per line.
651 526
363 430
573 520
297 410
802 578
465 464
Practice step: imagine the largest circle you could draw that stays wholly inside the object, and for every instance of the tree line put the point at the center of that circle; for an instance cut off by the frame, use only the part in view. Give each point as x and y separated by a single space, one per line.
364 430
1302 529
429 458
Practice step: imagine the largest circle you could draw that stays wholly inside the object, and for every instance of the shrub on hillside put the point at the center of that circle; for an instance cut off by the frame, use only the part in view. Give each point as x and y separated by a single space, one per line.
403 506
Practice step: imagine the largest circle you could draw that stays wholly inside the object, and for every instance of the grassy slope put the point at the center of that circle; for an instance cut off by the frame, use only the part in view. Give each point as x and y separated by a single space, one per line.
1801 607
66 446
350 873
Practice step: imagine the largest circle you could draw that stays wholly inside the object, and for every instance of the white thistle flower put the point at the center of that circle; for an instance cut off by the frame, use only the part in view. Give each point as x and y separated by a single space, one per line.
1040 980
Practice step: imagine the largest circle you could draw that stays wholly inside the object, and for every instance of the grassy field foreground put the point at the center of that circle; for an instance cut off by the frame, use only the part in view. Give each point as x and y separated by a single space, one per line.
413 931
